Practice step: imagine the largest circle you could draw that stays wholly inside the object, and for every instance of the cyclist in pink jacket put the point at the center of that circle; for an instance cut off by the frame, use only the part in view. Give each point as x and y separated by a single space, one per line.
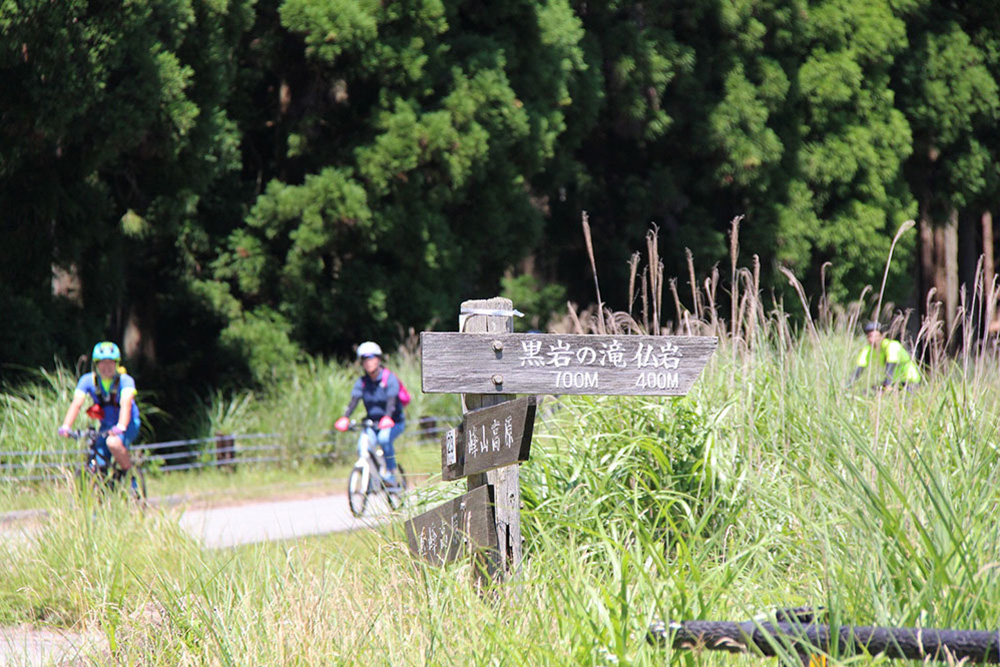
379 388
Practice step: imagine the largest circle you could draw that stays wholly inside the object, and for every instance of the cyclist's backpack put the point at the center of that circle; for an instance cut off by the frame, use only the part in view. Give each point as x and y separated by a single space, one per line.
110 398
404 395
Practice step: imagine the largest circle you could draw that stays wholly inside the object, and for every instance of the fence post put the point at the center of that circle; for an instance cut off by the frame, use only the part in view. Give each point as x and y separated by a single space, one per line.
225 450
506 480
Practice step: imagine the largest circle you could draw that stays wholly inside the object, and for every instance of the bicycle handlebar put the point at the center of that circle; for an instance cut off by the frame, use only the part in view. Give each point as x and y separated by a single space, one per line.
76 434
358 425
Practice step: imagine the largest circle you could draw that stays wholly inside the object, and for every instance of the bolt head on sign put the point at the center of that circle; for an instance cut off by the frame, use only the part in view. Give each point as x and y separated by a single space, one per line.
495 363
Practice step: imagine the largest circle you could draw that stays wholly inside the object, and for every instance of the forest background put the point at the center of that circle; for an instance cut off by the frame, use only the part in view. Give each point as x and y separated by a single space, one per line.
229 185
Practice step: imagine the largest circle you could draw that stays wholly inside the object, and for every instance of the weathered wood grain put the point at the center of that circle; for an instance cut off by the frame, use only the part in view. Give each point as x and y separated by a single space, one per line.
505 482
448 531
489 438
497 363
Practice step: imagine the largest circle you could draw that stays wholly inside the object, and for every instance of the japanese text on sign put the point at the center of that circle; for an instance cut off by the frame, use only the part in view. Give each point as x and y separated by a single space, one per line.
482 440
509 363
654 362
435 540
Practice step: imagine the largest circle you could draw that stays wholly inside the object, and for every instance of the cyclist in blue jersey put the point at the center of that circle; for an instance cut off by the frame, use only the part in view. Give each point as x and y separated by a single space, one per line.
379 389
113 393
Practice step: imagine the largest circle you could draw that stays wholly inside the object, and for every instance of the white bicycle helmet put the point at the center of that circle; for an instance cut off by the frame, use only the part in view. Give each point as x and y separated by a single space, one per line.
369 349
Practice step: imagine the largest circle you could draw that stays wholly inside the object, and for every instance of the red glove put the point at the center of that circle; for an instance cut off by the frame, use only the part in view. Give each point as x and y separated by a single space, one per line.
342 424
385 422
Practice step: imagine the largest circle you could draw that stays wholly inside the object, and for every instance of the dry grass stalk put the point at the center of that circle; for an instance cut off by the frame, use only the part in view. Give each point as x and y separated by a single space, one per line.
593 267
677 301
825 316
711 286
633 269
645 299
695 301
658 295
734 254
655 276
909 224
797 286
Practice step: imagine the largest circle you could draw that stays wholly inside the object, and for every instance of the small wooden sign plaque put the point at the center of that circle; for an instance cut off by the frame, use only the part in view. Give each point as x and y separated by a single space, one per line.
441 535
508 363
489 438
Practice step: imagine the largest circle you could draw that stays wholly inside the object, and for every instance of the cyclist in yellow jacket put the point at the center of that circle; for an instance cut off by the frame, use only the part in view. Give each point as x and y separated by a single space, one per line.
900 369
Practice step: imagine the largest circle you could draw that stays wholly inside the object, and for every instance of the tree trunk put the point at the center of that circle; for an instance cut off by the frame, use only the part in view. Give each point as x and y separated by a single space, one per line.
939 269
969 277
949 267
137 339
968 257
926 282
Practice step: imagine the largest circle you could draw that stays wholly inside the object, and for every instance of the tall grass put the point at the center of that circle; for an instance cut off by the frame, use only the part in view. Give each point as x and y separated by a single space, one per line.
770 485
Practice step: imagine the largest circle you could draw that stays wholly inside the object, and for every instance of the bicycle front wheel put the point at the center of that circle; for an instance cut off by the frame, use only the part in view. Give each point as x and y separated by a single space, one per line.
139 491
395 494
357 491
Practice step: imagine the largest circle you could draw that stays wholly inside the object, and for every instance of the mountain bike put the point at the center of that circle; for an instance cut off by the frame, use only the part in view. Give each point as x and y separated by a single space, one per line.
103 472
366 476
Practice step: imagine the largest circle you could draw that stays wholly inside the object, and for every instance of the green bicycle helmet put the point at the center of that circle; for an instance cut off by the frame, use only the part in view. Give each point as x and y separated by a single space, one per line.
105 350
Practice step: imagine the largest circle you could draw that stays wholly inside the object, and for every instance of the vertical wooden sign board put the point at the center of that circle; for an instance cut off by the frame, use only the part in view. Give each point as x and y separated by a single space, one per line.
496 316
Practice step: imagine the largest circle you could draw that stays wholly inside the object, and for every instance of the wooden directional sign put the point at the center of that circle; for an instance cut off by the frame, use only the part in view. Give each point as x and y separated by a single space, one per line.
507 363
441 535
489 438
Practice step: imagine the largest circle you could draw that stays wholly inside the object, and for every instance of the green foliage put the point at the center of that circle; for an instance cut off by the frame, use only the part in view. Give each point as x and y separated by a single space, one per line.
654 456
114 130
539 304
456 128
305 174
950 95
261 337
768 486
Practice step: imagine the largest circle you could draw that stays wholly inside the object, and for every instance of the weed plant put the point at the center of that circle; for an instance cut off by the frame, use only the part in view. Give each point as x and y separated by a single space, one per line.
771 485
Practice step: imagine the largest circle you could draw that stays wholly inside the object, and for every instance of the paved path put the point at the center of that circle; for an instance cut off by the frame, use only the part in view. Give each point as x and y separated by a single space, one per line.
26 645
279 520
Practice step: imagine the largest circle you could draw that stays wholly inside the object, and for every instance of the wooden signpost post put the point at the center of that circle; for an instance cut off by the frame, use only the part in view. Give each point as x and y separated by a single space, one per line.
488 363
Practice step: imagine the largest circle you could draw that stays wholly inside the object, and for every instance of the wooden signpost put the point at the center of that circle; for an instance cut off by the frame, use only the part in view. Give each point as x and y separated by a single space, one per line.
563 364
488 364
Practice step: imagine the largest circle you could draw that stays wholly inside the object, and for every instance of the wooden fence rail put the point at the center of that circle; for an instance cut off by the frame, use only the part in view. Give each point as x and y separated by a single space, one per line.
39 466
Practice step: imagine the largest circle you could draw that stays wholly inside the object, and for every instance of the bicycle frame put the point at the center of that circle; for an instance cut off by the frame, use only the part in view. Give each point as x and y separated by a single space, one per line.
366 477
95 461
370 457
105 470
